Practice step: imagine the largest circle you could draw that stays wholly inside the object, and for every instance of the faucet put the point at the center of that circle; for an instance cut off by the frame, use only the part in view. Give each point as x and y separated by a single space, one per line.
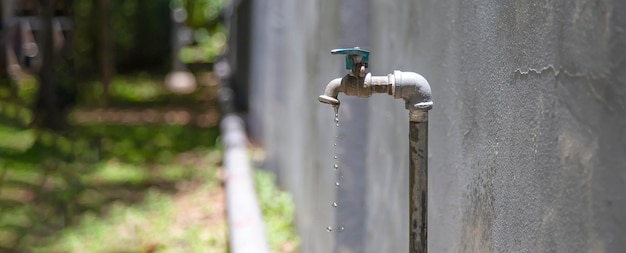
415 91
410 86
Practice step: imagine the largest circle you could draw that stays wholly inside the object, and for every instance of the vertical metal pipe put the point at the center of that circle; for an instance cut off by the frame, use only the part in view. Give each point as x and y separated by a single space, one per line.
418 181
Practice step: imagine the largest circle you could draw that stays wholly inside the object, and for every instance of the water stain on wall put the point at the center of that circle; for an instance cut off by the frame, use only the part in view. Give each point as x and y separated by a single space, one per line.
480 213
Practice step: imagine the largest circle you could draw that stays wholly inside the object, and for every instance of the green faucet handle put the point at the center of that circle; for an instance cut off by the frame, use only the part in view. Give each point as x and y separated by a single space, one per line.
355 58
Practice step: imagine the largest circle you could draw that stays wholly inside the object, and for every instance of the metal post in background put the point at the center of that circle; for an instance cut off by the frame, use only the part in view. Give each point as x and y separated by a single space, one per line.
239 22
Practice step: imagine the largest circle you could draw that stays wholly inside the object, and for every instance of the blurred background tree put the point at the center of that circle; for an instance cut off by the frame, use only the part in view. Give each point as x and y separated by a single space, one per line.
209 34
140 33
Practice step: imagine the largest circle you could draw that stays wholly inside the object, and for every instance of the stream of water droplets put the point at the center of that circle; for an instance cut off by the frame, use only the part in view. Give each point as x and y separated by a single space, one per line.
336 160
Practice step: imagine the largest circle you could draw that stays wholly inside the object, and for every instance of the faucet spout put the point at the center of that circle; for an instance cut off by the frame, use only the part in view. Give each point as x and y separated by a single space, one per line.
331 92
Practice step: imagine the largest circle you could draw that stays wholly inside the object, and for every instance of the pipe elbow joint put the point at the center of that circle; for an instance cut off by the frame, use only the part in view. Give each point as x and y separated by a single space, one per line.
331 92
414 89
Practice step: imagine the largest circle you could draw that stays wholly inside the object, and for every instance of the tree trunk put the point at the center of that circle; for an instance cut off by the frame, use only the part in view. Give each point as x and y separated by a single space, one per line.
107 62
4 33
48 113
3 38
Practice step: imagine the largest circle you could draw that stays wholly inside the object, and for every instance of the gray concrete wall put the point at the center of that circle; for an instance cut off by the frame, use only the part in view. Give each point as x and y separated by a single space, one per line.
527 135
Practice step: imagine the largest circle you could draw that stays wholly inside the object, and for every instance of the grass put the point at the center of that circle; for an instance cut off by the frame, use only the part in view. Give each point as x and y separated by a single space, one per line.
191 220
278 213
151 189
187 218
54 187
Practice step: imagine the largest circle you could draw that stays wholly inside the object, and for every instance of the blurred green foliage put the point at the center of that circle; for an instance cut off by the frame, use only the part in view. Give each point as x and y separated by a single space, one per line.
48 180
142 34
209 33
144 90
52 181
26 89
278 213
208 46
124 90
144 144
15 139
150 226
201 13
155 221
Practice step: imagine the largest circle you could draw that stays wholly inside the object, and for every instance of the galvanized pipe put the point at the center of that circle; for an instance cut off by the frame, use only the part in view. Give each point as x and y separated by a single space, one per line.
418 181
416 93
245 221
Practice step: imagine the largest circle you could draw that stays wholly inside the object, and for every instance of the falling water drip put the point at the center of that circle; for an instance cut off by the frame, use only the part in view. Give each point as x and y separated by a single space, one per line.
336 158
336 115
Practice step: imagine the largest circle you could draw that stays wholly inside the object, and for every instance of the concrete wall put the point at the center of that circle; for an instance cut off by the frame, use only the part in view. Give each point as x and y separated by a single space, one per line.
527 135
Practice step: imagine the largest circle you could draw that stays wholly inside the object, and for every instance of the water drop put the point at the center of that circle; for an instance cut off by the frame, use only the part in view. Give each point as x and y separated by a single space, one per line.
336 157
336 166
341 228
337 124
335 144
334 204
329 229
337 184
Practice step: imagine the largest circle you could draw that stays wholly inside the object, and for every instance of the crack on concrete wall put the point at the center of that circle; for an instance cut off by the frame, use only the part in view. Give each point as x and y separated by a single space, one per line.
556 71
560 71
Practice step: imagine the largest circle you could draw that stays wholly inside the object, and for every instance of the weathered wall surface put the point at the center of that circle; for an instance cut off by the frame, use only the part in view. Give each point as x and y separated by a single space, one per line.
290 40
527 135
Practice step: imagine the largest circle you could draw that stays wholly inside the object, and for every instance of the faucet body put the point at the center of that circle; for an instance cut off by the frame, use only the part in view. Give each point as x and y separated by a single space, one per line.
415 91
410 86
